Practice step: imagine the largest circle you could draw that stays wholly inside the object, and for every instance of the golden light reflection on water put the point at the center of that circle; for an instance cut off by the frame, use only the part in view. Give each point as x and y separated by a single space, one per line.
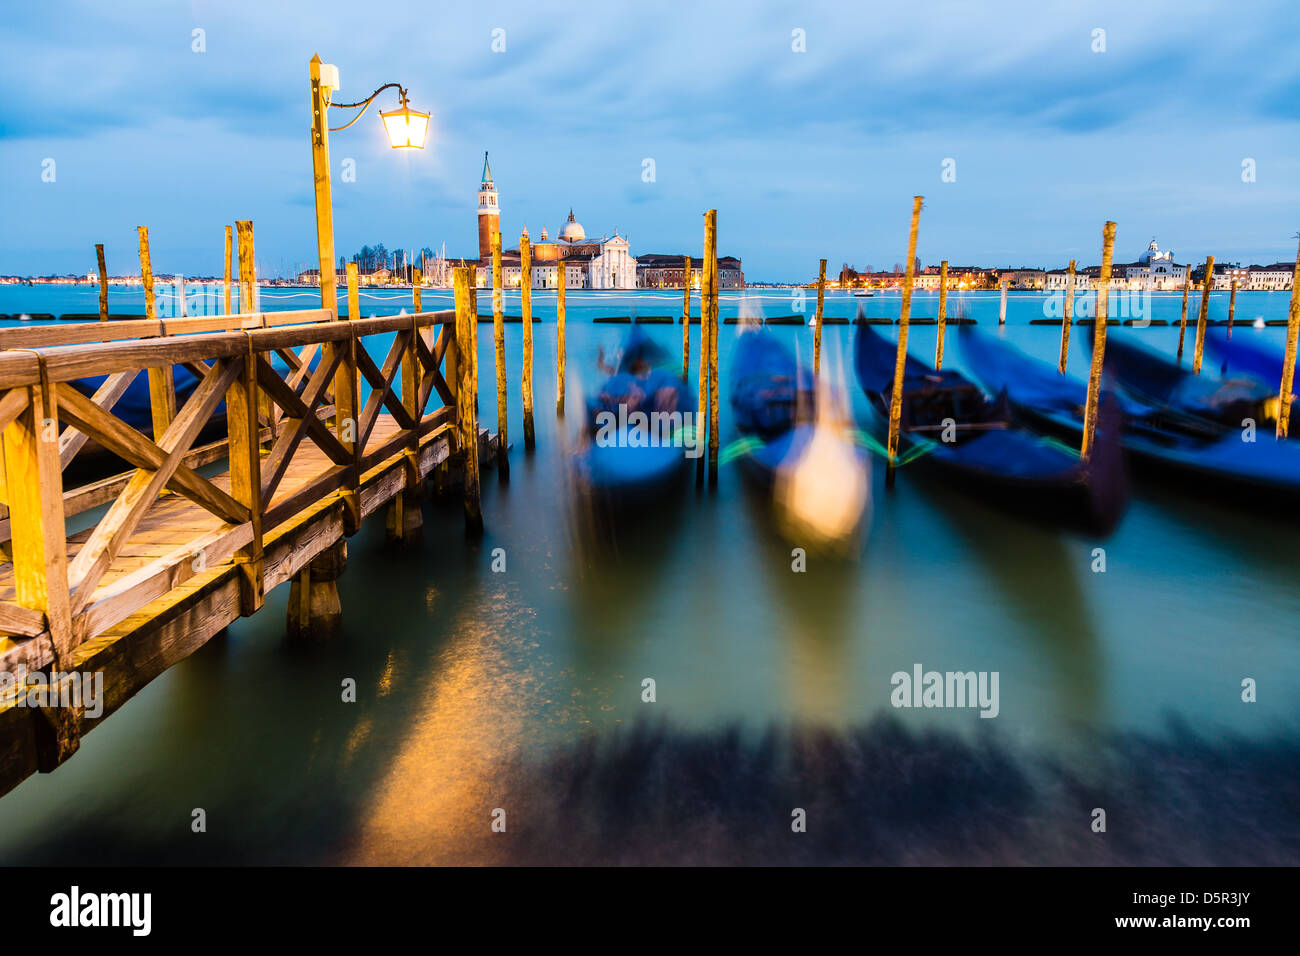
485 695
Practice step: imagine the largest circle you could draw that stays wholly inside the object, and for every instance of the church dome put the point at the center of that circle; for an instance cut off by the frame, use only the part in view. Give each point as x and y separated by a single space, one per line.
572 230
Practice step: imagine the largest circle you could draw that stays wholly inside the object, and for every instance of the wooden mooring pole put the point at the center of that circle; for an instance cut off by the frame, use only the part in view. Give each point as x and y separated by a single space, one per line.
103 282
1182 319
711 264
1002 309
1203 315
1098 342
686 318
706 298
943 315
226 284
561 280
354 296
1067 317
1288 358
499 348
526 296
1232 306
900 361
467 394
162 382
817 327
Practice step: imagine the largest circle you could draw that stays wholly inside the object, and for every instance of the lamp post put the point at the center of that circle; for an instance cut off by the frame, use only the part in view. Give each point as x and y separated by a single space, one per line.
406 129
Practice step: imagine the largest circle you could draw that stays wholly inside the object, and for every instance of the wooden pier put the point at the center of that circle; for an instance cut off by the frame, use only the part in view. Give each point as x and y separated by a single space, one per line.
169 555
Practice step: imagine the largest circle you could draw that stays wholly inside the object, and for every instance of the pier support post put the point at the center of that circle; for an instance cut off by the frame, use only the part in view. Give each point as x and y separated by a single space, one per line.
526 297
817 327
499 348
1288 359
942 319
1203 315
1182 319
405 519
1067 317
315 612
900 360
103 282
1098 341
686 318
33 490
467 395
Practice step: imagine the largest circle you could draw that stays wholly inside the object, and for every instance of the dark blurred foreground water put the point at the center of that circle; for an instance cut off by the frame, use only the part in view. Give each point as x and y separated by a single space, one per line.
521 690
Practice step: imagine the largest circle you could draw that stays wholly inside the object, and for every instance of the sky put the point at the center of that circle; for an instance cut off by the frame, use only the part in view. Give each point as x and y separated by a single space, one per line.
808 126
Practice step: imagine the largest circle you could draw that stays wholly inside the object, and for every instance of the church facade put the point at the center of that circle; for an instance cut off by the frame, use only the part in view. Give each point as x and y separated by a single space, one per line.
604 263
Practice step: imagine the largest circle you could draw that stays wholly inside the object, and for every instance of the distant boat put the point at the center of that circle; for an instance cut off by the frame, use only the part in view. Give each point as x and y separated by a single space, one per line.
863 293
988 454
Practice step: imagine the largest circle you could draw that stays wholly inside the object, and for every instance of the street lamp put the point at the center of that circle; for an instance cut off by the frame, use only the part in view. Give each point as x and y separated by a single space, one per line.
406 129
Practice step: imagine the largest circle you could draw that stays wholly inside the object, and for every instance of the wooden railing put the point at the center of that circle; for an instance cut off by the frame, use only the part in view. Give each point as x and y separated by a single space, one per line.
65 592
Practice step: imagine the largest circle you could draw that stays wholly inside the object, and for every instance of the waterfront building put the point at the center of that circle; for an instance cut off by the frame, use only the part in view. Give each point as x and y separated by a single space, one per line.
1024 278
657 270
1274 278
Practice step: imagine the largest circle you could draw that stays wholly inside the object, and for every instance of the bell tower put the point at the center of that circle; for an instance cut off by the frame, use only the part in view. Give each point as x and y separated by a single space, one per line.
489 214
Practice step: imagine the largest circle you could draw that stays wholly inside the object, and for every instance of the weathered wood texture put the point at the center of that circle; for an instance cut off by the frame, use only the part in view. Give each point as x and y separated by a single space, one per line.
158 573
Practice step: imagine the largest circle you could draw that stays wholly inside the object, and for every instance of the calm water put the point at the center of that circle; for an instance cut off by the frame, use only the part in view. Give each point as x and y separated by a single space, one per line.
521 689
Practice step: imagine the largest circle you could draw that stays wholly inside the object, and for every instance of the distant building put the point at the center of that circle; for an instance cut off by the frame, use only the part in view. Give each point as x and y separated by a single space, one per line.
1274 278
1025 278
656 270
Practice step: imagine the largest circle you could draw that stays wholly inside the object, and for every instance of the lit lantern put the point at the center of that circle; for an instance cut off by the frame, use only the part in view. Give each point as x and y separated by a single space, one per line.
406 127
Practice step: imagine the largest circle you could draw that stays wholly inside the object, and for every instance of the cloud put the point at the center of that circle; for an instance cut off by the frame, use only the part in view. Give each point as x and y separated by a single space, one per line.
816 148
